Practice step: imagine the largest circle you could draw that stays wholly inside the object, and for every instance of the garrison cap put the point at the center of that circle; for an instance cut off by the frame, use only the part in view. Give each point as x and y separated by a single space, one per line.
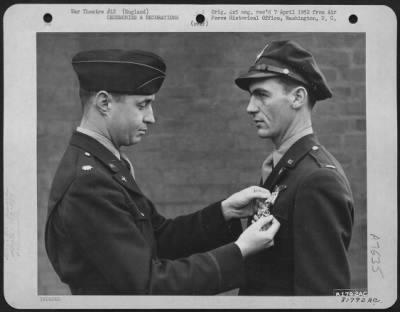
287 58
126 72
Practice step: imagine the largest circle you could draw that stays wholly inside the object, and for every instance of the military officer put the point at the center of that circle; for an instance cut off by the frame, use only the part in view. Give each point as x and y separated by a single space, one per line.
103 235
312 197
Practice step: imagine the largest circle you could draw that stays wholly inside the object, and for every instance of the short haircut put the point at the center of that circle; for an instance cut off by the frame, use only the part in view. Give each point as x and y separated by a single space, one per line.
289 84
86 95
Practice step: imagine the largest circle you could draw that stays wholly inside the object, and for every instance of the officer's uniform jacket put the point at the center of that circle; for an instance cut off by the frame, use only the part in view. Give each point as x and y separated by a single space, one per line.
315 210
103 236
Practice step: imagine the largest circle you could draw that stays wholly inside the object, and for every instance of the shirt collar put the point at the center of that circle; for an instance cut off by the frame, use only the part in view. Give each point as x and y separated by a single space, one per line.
102 140
277 154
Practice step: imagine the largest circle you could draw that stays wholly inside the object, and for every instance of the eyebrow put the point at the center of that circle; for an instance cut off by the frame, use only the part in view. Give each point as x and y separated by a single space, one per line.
260 91
146 101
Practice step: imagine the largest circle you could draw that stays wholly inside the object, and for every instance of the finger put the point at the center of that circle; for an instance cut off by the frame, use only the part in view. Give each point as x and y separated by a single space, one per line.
255 223
271 243
263 221
259 190
274 227
262 195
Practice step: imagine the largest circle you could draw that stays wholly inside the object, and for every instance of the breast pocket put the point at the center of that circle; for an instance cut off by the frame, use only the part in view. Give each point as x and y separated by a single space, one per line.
281 211
282 206
282 238
142 219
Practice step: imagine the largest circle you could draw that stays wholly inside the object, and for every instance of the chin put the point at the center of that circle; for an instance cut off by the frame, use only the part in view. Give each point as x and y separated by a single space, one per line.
264 133
131 141
135 141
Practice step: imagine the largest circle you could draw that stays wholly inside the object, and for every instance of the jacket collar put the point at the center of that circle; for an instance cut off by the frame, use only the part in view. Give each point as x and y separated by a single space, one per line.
99 151
291 158
102 139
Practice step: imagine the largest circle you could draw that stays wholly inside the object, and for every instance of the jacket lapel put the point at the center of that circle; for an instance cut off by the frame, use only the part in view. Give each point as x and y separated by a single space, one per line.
290 159
119 172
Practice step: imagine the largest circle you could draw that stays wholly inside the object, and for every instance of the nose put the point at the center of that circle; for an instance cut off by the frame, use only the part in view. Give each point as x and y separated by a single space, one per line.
252 108
149 115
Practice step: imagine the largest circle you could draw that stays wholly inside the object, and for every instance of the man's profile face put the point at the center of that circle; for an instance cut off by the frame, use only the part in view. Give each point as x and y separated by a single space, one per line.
130 117
270 108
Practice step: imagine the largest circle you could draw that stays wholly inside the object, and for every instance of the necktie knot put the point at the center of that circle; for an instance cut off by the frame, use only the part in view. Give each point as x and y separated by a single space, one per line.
127 164
267 167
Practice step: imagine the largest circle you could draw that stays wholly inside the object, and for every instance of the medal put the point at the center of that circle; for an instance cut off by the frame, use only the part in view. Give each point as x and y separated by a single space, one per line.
263 208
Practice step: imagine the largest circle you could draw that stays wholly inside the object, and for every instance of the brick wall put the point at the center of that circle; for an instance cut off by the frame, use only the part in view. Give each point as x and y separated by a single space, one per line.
203 146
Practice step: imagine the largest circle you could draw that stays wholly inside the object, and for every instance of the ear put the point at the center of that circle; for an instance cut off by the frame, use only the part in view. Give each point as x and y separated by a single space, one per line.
102 102
299 97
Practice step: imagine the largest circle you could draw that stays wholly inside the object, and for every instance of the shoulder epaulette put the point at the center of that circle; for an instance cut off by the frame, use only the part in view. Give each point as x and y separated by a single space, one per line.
86 162
319 156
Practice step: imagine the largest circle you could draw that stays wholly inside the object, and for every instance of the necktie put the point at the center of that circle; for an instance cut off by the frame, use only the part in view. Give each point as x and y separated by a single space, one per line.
125 161
267 167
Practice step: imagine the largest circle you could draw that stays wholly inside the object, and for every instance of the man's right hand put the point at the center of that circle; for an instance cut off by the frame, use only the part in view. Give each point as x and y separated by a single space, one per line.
255 239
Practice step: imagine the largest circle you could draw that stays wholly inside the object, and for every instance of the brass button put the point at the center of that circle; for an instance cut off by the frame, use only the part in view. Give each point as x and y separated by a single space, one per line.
112 166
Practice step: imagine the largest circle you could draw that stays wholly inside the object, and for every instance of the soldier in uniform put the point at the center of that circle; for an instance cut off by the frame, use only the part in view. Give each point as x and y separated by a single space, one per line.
311 195
103 235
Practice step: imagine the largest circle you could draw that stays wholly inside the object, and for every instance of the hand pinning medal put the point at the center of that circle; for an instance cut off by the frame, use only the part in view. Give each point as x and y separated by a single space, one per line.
263 207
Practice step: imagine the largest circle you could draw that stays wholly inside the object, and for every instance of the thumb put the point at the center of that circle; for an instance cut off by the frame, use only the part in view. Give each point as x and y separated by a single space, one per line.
259 192
263 221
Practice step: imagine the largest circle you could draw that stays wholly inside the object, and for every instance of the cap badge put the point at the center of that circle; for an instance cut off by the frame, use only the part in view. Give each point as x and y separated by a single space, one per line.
261 67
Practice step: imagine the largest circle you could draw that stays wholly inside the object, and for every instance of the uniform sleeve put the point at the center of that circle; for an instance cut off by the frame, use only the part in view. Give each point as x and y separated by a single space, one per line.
96 216
197 232
322 225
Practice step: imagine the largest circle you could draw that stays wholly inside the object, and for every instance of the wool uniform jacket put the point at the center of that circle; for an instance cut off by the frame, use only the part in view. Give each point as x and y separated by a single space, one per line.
103 236
315 210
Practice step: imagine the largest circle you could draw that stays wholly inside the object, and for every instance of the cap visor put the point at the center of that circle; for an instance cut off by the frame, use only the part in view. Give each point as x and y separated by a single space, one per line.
244 81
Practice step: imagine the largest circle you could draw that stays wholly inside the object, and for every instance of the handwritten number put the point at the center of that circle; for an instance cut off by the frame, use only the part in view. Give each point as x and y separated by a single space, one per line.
377 245
374 262
374 236
375 252
378 269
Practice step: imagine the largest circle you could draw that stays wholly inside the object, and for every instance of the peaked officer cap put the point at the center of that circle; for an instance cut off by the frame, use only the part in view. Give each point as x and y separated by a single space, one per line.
126 72
287 58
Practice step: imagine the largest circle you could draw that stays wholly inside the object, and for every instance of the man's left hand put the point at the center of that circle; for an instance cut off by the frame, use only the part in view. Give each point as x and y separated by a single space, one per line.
239 204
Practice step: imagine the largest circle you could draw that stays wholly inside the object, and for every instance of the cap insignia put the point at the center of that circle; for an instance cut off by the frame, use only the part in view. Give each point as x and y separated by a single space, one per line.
87 167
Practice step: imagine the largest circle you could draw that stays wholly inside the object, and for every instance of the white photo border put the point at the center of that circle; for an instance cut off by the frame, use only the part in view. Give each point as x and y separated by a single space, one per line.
20 124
